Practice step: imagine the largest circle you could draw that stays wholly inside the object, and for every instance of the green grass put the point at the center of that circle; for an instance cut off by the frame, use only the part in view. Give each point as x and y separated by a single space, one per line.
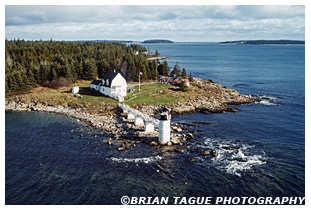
153 94
94 97
150 94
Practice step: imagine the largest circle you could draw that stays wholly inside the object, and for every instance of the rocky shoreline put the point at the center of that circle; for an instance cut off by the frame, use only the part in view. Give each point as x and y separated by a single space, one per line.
217 99
114 123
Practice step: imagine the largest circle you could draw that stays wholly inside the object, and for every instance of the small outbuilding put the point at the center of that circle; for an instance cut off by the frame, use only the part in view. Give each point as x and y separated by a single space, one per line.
75 89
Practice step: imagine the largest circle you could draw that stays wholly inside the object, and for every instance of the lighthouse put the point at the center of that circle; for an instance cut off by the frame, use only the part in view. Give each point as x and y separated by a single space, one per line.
165 126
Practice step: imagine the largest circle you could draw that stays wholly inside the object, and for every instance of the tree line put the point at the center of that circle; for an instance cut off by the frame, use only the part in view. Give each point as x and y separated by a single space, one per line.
29 63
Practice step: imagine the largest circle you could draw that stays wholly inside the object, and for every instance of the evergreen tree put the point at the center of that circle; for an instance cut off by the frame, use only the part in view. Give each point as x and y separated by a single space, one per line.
7 88
176 71
152 70
45 72
132 71
163 68
157 53
26 86
13 86
53 75
40 61
184 73
102 67
31 79
78 69
19 81
190 77
89 70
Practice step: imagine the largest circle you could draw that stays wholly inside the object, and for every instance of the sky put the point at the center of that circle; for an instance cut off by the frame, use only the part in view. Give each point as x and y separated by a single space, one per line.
137 23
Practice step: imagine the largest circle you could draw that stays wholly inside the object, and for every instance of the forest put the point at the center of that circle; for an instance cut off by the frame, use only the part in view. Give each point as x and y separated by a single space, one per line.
48 63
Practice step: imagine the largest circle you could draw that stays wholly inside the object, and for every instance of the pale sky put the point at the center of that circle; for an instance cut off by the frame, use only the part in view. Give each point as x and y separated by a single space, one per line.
138 23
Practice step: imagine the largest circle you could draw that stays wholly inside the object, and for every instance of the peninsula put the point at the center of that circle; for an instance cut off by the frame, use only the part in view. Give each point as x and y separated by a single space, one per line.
157 41
55 67
205 96
266 42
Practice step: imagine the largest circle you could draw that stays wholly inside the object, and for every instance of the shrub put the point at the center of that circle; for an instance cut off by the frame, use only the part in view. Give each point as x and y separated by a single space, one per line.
59 82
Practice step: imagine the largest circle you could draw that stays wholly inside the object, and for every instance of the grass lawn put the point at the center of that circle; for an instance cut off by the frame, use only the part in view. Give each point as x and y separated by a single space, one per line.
153 94
149 94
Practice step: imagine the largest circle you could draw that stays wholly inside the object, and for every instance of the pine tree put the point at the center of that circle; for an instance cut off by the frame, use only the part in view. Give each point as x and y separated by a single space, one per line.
53 75
184 73
102 67
157 53
78 69
89 70
163 68
176 69
190 77
13 86
152 73
26 85
20 85
7 88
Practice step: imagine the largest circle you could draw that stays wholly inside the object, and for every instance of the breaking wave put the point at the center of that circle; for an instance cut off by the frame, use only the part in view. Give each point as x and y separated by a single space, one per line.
235 157
137 160
268 100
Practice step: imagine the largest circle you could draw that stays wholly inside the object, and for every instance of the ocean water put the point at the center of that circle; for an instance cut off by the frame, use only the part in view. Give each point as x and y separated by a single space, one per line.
52 159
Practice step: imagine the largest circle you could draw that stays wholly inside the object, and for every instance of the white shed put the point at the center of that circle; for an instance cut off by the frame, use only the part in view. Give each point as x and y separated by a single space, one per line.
75 89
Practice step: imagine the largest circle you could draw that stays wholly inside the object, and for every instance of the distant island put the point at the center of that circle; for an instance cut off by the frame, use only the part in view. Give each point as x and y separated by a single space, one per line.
258 42
157 41
119 41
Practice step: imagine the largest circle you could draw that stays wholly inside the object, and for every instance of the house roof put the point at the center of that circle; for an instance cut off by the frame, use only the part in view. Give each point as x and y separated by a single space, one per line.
96 82
110 75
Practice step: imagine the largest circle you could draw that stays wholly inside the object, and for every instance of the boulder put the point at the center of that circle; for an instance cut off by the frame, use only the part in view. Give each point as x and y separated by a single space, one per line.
169 143
207 152
192 159
164 149
214 153
175 141
153 143
162 143
179 150
190 135
127 146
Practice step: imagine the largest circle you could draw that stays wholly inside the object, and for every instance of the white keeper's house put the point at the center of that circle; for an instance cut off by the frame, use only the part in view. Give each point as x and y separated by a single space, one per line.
113 85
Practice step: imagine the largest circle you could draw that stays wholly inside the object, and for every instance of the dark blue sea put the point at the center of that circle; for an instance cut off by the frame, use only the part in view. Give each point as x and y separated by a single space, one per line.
53 159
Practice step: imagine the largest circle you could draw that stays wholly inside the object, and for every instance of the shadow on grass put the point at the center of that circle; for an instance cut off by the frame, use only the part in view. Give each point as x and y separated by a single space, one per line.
174 89
86 91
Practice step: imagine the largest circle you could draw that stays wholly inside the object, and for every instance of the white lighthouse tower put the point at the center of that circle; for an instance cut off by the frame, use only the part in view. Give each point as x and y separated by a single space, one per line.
165 126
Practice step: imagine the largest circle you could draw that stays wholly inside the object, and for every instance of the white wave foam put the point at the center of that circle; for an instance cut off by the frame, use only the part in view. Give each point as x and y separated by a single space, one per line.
267 103
241 162
137 160
268 100
235 157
